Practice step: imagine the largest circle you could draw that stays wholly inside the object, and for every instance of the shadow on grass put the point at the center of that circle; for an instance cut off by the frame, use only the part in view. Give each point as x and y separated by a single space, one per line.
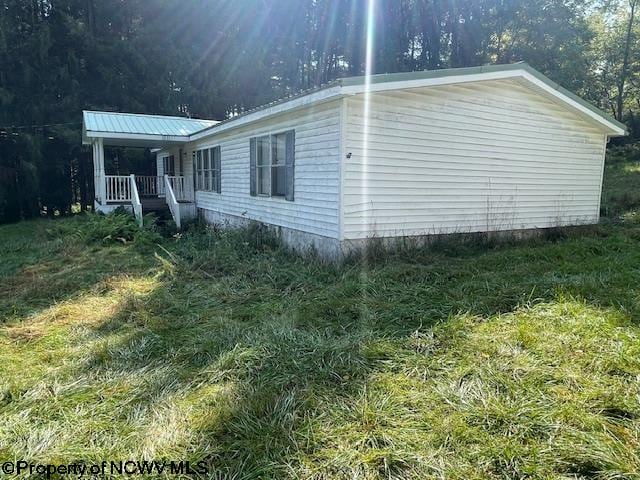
256 377
42 268
235 355
253 367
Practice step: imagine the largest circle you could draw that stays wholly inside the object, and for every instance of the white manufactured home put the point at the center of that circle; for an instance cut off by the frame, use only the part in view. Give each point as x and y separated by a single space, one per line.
494 148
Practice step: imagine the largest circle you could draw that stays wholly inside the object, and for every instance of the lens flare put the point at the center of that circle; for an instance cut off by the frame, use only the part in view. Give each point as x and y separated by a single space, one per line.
366 132
366 114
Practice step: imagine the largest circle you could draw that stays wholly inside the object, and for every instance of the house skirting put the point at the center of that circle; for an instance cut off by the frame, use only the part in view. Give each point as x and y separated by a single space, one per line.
301 242
332 249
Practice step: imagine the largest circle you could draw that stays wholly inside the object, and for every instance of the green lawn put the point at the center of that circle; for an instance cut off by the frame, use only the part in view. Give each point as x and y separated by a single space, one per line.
461 361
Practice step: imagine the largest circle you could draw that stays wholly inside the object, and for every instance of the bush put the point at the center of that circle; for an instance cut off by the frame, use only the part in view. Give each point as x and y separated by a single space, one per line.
623 154
118 227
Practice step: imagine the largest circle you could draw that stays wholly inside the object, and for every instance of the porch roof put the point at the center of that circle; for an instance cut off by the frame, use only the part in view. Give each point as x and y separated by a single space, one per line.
137 130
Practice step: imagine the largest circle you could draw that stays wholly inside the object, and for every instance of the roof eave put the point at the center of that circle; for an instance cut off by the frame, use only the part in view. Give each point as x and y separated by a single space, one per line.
152 141
330 92
139 128
613 126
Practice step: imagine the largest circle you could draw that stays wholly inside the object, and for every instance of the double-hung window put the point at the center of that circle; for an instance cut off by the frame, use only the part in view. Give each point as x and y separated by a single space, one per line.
207 164
272 165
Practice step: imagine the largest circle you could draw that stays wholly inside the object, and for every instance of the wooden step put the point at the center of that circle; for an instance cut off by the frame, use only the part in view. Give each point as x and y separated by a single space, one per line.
154 204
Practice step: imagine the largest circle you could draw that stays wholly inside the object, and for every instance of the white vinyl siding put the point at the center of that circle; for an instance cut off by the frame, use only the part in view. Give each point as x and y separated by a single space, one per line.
161 155
317 147
169 165
473 157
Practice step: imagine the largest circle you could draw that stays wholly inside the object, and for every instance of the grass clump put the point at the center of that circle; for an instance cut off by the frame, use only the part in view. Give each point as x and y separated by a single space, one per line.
465 360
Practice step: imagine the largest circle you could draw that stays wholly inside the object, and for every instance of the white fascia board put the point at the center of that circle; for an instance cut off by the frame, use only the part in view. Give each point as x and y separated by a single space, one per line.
139 136
296 103
614 130
430 82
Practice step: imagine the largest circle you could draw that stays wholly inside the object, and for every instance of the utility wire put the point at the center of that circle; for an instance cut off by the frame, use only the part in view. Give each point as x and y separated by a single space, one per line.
20 127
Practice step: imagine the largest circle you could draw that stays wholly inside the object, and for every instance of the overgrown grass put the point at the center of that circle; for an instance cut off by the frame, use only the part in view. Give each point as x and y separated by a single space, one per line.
457 361
621 196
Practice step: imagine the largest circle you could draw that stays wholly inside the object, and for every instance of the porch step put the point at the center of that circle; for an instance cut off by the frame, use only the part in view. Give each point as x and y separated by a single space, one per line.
153 205
159 207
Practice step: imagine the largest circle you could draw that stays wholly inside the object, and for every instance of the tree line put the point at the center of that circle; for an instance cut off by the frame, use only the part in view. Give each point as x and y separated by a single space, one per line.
216 58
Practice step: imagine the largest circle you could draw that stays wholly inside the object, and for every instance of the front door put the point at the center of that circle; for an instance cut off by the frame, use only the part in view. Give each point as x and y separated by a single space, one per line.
169 165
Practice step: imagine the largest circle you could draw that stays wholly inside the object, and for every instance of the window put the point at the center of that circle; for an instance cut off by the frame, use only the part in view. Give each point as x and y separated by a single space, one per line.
169 165
264 165
278 159
272 162
208 169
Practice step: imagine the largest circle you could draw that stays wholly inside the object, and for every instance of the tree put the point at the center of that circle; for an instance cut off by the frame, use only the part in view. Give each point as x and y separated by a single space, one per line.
615 59
215 58
624 74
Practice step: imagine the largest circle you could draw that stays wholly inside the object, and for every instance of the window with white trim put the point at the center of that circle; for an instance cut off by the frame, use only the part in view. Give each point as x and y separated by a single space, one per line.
207 163
271 152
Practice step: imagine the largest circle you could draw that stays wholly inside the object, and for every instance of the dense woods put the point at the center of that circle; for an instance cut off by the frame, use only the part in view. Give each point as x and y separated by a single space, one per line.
216 58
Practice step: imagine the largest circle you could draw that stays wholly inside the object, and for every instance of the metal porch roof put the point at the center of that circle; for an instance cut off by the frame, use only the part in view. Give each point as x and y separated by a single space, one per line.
130 126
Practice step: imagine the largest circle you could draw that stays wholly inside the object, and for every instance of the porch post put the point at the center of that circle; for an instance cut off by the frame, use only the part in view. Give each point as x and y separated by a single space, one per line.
98 171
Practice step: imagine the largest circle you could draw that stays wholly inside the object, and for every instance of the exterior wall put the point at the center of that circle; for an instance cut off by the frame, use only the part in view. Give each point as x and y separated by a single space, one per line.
165 153
188 210
486 156
159 164
175 151
315 209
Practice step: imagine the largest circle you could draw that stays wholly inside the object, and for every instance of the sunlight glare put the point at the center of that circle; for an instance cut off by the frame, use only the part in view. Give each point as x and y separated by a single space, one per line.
366 124
369 69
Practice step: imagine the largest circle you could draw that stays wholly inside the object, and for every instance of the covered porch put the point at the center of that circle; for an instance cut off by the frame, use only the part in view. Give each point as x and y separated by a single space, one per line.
171 188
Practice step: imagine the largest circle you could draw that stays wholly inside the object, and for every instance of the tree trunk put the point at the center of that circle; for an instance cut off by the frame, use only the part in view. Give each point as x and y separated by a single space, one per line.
625 62
431 34
91 18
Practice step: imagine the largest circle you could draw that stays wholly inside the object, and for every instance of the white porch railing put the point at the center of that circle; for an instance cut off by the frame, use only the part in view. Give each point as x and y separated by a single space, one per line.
123 189
118 188
150 185
135 200
174 206
128 189
182 188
